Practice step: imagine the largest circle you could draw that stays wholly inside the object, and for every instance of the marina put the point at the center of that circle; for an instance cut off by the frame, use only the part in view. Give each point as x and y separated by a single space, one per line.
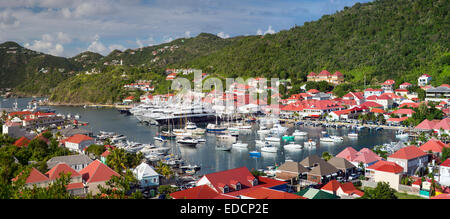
217 155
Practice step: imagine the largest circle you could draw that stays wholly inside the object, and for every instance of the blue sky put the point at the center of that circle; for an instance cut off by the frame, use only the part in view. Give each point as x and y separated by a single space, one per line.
68 27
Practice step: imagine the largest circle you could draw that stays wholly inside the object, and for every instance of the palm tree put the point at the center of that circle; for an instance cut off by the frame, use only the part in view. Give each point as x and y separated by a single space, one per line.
117 159
164 170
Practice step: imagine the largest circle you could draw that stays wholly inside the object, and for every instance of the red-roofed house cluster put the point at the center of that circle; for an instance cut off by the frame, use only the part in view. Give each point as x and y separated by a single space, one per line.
236 183
81 183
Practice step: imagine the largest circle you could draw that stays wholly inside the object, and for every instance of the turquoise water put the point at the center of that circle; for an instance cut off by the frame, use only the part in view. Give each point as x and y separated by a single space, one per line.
205 154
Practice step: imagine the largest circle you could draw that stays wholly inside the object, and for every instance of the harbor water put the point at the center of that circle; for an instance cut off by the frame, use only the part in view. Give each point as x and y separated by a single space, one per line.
205 154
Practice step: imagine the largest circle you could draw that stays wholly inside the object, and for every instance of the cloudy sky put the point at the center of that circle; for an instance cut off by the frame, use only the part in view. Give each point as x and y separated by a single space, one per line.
68 27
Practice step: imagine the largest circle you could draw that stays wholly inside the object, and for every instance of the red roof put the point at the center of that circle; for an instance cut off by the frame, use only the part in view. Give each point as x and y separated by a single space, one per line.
348 153
78 138
404 111
312 74
338 74
332 186
96 171
324 73
426 75
372 89
427 124
313 91
34 177
412 105
348 188
23 141
129 98
200 192
377 110
408 153
443 124
433 145
405 83
265 193
61 168
389 82
75 186
366 156
446 163
386 166
371 104
397 119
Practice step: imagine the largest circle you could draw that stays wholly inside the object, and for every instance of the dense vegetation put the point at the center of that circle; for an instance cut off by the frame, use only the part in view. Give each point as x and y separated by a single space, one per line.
399 39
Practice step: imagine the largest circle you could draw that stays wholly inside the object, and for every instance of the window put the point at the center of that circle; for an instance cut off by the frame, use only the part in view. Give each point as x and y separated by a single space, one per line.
255 182
238 186
226 189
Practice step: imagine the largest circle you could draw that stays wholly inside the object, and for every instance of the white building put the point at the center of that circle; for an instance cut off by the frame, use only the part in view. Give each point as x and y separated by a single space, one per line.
444 173
78 142
424 80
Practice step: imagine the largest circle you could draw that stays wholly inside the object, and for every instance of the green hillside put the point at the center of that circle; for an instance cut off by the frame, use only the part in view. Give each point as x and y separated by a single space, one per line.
399 39
384 39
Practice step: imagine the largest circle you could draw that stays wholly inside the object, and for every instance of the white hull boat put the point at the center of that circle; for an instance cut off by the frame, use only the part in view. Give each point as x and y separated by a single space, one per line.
293 146
269 149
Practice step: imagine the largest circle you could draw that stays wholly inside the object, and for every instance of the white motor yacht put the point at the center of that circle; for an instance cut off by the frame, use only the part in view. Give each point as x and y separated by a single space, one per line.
272 139
298 133
269 149
240 144
188 141
293 146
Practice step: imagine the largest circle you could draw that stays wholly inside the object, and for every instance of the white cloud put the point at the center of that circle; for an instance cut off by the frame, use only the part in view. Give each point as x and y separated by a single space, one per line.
63 37
116 46
97 46
268 31
187 34
223 35
259 32
46 47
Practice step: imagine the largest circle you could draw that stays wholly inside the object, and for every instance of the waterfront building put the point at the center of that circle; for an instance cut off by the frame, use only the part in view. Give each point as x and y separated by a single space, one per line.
410 158
365 156
345 166
78 142
407 112
291 172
